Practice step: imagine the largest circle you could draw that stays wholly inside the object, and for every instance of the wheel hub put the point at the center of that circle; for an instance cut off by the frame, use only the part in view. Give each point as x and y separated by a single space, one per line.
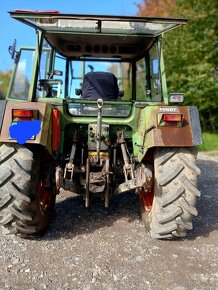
45 197
147 199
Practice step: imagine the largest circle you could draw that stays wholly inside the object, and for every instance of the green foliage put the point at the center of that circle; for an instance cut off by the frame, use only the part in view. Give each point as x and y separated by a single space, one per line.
191 53
210 142
4 83
191 58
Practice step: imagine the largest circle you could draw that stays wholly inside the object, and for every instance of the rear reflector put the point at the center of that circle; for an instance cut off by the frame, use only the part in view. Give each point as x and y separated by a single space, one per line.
22 113
172 117
56 129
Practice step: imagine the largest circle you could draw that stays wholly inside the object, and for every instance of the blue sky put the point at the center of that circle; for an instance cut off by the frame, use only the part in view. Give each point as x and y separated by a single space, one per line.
11 29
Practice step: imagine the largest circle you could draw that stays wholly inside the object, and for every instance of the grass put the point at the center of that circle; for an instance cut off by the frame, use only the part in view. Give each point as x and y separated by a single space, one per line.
210 142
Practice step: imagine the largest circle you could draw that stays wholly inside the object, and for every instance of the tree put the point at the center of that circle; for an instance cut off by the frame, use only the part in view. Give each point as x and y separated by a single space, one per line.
191 57
156 7
4 83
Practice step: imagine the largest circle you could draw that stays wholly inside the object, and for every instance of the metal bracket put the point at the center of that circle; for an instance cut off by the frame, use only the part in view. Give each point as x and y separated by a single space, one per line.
143 179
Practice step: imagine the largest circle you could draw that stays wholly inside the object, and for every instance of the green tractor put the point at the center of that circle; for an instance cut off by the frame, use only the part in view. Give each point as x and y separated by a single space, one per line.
87 110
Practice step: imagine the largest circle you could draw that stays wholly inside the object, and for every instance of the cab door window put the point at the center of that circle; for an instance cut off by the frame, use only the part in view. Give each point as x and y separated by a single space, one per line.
43 88
22 75
148 84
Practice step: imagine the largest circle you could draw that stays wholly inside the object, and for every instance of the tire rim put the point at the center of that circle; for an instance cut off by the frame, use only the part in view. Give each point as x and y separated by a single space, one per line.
45 197
147 199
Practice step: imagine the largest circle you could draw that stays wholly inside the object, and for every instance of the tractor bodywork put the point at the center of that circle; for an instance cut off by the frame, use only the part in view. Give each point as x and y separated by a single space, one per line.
96 86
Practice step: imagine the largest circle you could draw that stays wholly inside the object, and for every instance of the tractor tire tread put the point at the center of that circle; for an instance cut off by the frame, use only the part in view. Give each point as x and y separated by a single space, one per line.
165 229
5 175
18 194
19 215
29 230
19 210
6 219
175 193
5 200
184 204
6 152
187 185
166 155
168 216
191 165
170 173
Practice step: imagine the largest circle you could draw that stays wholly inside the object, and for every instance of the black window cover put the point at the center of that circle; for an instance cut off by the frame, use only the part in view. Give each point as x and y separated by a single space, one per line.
100 85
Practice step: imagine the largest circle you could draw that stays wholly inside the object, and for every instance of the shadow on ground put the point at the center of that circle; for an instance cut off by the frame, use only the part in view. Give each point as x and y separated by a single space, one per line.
207 219
73 219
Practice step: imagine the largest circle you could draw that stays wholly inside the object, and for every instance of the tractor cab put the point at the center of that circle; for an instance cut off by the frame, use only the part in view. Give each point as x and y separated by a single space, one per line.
71 46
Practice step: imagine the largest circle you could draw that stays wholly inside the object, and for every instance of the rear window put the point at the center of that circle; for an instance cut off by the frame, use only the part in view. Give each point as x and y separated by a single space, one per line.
108 110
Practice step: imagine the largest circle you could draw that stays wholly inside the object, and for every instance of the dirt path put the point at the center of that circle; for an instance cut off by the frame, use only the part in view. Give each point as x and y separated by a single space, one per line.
99 249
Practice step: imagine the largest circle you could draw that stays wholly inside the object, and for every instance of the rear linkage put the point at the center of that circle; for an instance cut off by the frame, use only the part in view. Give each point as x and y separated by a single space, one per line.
95 175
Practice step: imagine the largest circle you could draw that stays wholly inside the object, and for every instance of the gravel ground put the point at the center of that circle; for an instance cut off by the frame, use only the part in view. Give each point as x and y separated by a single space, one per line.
109 249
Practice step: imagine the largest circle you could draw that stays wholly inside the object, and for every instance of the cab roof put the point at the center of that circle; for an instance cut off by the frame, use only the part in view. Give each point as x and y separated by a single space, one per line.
74 34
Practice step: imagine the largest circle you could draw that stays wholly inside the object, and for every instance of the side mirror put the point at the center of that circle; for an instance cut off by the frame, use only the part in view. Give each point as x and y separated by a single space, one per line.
12 50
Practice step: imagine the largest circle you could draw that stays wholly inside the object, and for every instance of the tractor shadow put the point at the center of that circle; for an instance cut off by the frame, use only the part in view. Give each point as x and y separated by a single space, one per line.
207 220
73 219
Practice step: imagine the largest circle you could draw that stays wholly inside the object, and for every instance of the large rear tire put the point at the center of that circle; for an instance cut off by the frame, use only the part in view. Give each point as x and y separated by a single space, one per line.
26 206
175 193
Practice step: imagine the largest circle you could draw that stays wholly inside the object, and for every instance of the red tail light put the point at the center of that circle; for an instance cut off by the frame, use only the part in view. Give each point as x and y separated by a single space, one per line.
172 117
170 120
22 114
